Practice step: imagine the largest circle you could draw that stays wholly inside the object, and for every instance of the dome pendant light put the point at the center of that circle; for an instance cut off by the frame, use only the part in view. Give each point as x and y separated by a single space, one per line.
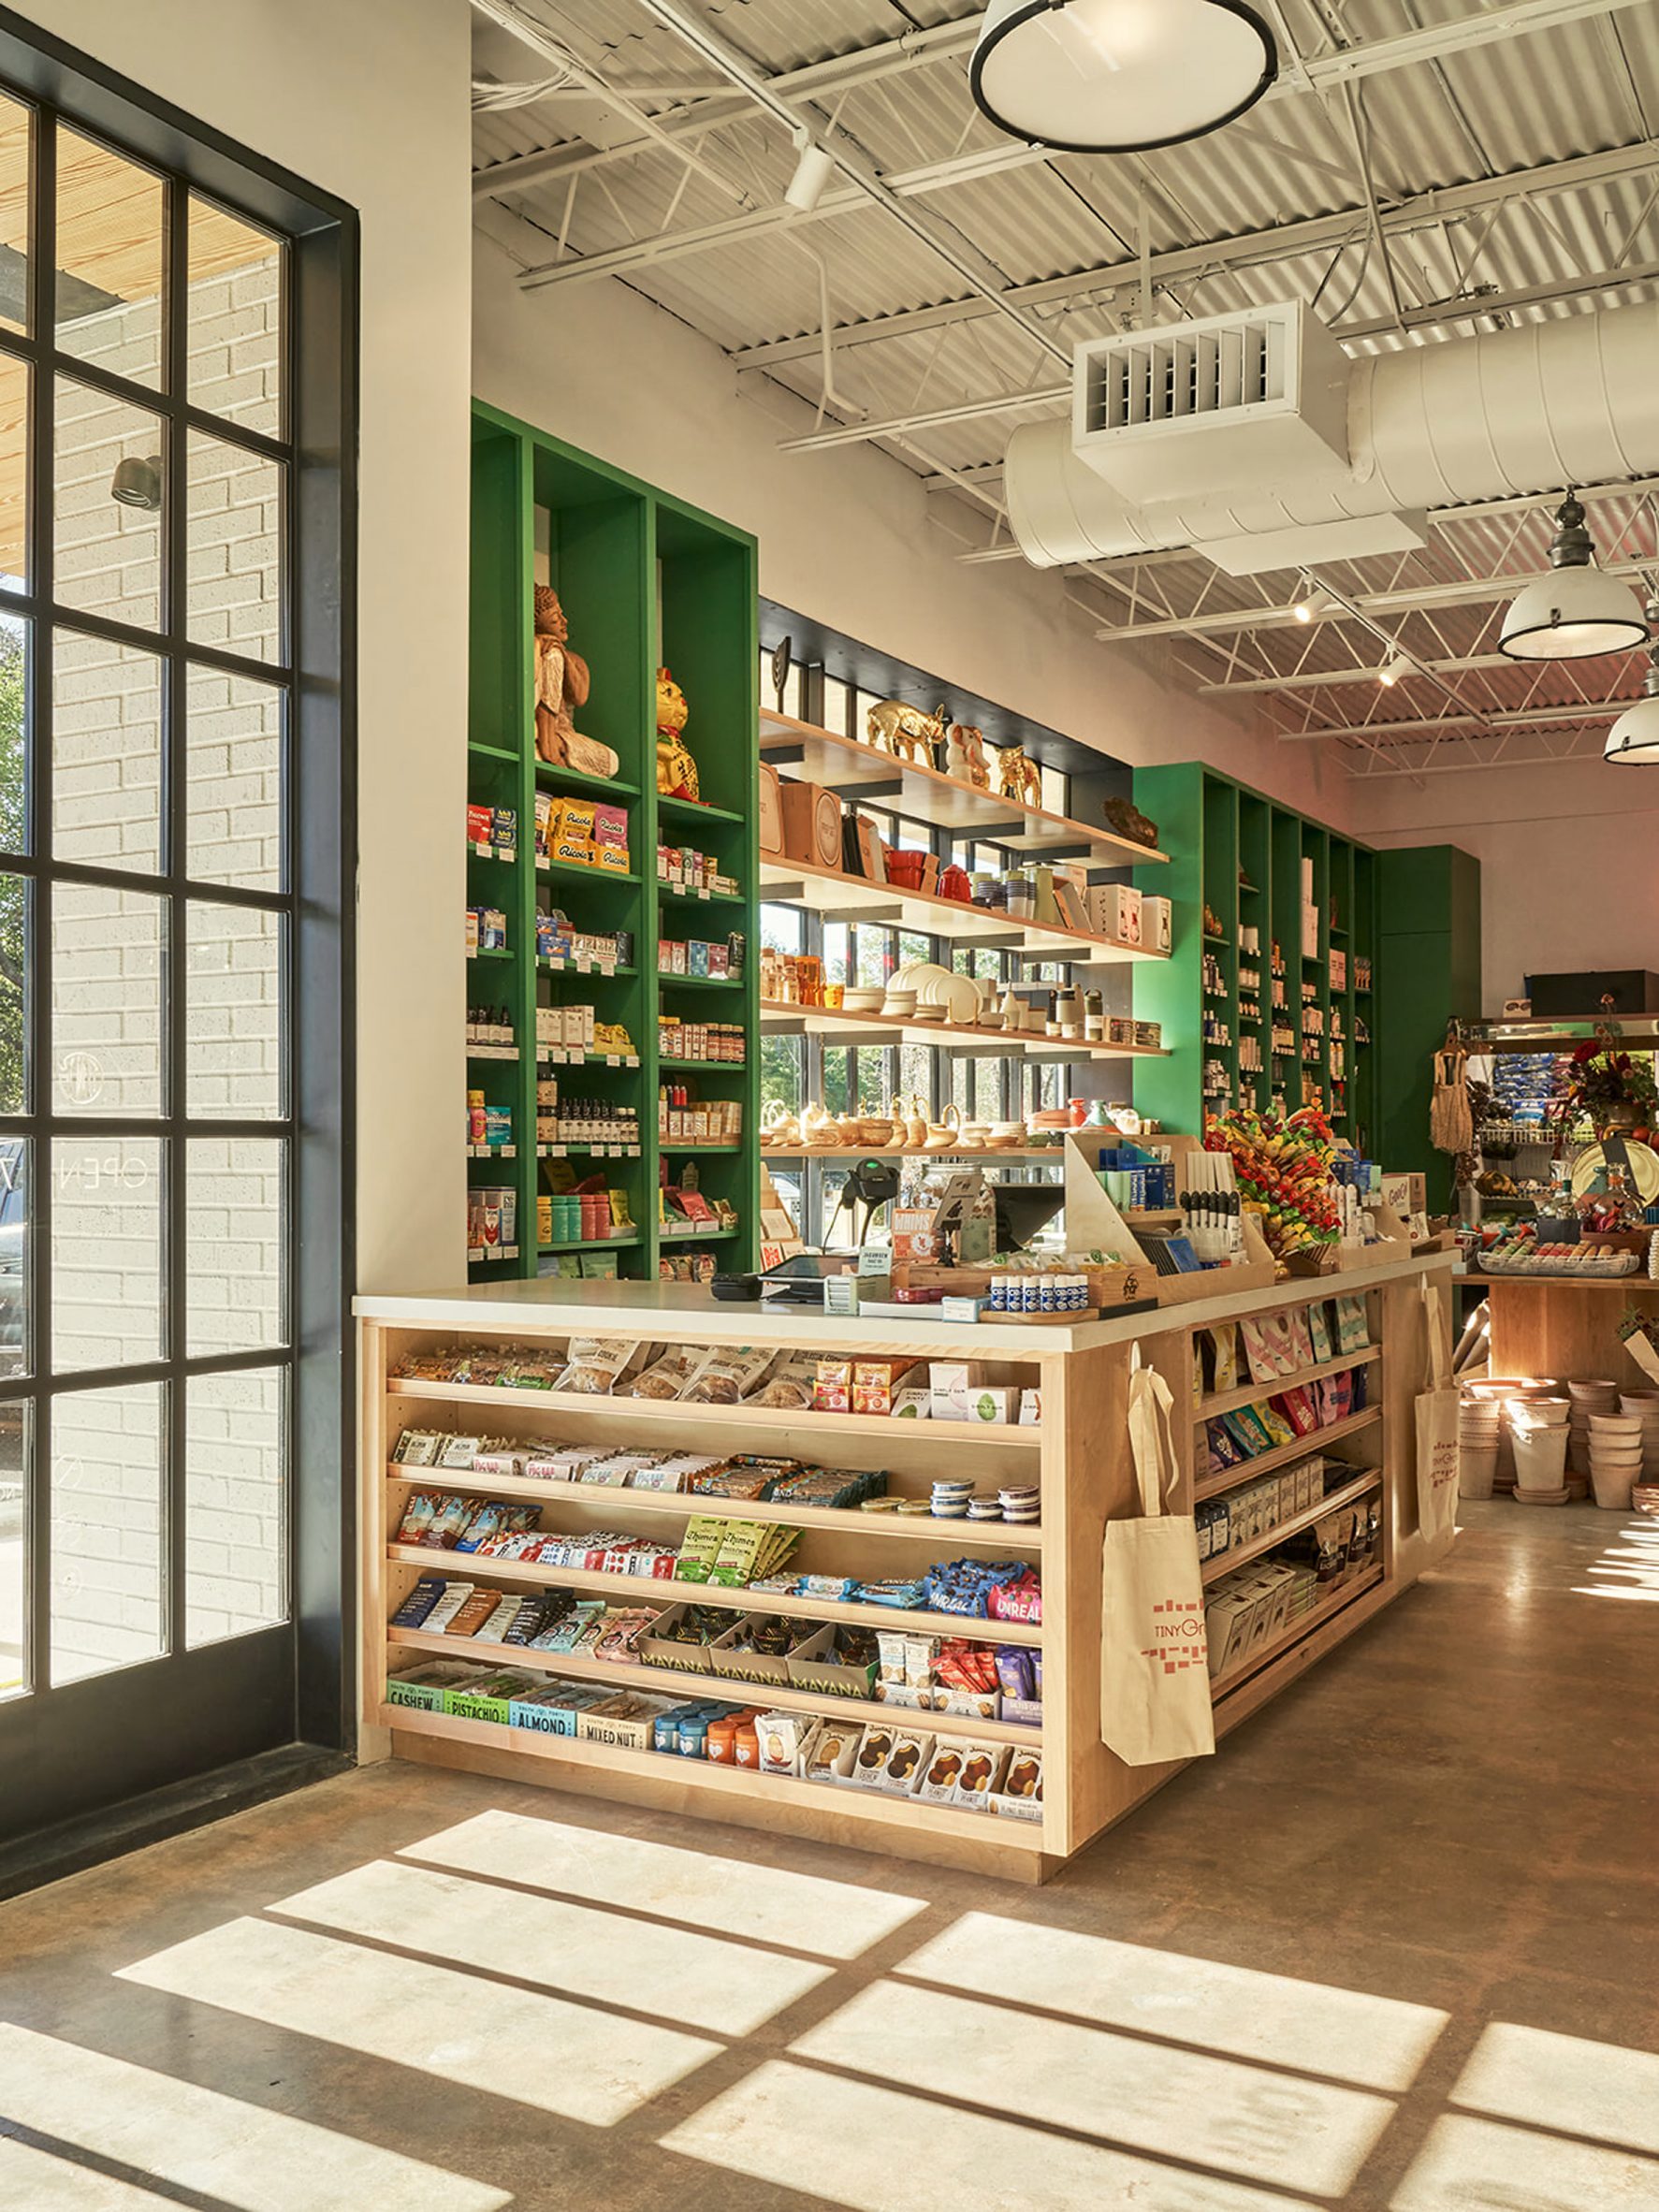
1574 612
1633 739
1119 76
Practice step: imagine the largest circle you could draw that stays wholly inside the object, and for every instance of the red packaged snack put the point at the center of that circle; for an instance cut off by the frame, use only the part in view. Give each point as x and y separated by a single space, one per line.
1298 1409
1020 1600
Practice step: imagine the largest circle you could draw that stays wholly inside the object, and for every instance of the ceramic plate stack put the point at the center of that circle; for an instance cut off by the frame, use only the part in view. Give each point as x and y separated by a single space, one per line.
1615 1458
1588 1398
1478 1422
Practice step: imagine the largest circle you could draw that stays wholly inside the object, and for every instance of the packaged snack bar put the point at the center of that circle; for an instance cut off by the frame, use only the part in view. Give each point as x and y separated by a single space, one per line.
417 1517
1302 1339
1224 1339
1298 1408
597 1363
667 1376
1247 1425
418 1448
699 1549
1318 1323
726 1376
1258 1352
417 1608
1352 1333
449 1523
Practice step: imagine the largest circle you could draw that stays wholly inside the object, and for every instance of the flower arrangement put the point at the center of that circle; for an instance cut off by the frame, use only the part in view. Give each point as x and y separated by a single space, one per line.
1608 1086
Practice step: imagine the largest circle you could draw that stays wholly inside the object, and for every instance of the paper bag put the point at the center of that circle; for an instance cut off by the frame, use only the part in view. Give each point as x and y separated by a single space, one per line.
1437 1428
1155 1672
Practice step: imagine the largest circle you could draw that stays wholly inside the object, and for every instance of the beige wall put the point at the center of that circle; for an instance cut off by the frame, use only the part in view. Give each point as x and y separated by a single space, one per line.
844 535
371 103
1568 880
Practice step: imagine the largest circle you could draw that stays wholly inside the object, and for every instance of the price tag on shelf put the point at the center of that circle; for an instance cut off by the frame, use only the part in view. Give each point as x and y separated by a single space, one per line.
607 967
584 964
632 1059
613 1060
552 1151
702 891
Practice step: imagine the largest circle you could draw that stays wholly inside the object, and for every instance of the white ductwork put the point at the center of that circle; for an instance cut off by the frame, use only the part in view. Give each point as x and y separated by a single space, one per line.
1573 401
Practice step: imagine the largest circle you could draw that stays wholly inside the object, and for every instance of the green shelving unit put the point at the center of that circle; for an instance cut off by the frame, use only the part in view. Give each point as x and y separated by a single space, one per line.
1429 904
645 580
1241 854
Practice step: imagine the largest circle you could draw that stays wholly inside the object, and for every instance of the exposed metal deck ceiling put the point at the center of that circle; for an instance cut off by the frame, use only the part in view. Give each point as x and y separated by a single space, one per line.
1498 165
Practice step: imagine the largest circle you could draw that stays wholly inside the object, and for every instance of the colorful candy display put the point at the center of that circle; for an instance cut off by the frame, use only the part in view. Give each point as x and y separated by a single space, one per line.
1285 1172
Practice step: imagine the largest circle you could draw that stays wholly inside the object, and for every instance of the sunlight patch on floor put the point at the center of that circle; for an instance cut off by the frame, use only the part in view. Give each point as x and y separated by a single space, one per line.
1375 2043
199 2139
697 1980
876 2150
1244 2120
727 1895
574 2060
1471 2165
1565 2082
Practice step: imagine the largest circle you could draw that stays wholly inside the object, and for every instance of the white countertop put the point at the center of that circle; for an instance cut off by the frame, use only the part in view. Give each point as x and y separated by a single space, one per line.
686 1313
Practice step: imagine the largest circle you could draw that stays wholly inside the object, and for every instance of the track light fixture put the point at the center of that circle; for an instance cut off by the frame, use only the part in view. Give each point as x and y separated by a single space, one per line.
136 483
1313 602
1392 671
814 167
1574 612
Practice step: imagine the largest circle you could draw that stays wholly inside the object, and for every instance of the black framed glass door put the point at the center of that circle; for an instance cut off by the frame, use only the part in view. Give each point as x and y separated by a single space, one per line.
175 833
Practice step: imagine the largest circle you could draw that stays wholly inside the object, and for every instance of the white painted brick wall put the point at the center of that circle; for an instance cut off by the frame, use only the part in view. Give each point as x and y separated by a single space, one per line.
107 1534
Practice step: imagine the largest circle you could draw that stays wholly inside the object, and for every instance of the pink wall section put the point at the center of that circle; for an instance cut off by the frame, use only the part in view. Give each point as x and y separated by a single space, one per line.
1569 861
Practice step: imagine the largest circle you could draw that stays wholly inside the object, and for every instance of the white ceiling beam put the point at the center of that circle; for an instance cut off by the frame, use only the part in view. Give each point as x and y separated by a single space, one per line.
1253 249
1465 592
1529 718
976 269
1309 680
817 80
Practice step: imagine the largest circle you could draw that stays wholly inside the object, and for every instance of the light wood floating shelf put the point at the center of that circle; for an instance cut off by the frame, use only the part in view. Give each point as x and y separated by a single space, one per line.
1285 1455
1299 1631
781 1015
846 1520
1239 1554
558 1406
663 1590
726 1788
853 898
1052 1153
926 794
1253 1394
631 1674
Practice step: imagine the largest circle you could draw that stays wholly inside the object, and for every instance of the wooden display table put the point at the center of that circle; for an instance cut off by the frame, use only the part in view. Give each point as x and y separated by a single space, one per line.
1079 1457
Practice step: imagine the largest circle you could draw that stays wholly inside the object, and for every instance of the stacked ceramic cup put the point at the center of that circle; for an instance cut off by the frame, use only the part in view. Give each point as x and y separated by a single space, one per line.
1615 1458
1588 1398
1538 1437
1477 1445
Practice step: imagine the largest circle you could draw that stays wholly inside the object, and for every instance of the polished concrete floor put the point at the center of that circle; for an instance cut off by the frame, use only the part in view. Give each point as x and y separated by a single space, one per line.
1397 1946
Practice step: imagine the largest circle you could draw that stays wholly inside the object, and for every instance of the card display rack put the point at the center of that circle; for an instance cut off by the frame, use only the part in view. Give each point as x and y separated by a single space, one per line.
645 581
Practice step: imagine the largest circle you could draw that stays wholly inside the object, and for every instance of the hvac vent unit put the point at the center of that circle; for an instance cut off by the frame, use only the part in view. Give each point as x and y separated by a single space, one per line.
1197 410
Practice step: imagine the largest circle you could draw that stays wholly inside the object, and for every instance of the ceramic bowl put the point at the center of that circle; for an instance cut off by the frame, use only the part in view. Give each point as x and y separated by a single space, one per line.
862 998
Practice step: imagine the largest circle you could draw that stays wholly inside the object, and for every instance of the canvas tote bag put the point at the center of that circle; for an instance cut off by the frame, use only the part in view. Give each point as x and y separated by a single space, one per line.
1155 1668
1437 1429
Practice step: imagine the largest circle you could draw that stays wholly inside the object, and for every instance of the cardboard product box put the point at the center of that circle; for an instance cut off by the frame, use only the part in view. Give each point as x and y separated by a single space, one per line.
771 810
625 1721
1114 911
1156 922
813 1666
747 1667
1406 1193
489 1700
950 1384
552 1711
976 1705
785 1740
655 1647
425 1687
811 819
875 1383
830 1753
1021 1794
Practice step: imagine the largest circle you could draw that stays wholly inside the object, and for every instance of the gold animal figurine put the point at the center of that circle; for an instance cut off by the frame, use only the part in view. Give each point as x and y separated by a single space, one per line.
562 684
964 756
676 771
906 732
1017 778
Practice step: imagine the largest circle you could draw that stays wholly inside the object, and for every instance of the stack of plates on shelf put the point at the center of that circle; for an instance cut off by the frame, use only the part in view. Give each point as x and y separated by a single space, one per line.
1478 1420
1615 1458
1588 1398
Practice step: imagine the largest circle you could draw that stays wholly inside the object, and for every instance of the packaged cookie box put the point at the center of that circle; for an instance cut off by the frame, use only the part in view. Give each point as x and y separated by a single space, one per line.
657 1649
785 1740
426 1687
974 1781
1020 1797
747 1667
626 1720
891 1757
491 1699
812 1665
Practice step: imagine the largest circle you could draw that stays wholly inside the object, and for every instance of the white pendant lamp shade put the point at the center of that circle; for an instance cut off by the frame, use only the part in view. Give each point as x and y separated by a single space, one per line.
1633 739
1575 611
1119 76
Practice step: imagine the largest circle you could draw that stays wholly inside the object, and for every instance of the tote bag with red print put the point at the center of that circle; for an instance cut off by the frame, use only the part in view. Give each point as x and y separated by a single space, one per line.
1155 1673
